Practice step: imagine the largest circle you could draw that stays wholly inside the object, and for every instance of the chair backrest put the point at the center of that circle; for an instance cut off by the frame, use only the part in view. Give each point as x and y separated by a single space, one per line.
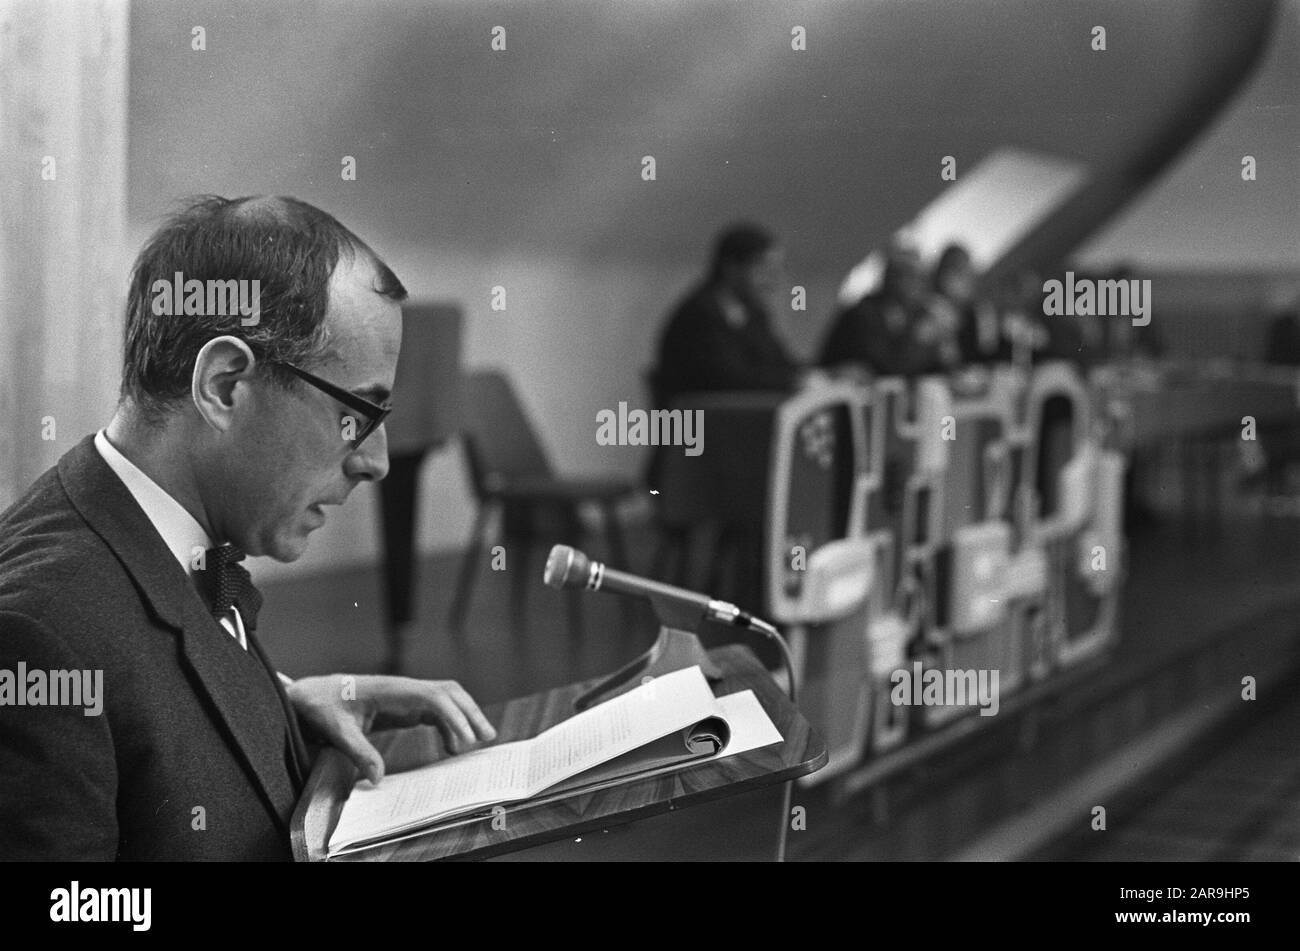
500 438
427 395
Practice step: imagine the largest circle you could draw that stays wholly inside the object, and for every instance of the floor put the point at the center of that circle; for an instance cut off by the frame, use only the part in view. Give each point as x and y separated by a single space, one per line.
1234 797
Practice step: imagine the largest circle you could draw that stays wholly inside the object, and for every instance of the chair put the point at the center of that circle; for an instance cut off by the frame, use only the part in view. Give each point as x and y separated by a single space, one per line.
509 470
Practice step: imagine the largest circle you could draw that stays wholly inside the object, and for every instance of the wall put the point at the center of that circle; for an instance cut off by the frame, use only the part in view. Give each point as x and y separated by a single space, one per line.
63 105
521 168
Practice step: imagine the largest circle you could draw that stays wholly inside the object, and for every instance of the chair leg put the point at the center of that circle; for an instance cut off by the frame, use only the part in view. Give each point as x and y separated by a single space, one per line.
520 559
397 496
469 569
577 627
397 505
749 568
683 541
722 546
662 552
614 536
618 553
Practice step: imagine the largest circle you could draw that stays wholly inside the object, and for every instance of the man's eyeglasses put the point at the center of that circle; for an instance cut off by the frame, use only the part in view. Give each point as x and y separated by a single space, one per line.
372 413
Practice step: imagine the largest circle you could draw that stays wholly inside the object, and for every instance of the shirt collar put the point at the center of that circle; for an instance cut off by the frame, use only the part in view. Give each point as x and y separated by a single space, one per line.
180 530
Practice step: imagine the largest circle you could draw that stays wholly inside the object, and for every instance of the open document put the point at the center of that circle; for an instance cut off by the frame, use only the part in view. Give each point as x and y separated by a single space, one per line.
666 723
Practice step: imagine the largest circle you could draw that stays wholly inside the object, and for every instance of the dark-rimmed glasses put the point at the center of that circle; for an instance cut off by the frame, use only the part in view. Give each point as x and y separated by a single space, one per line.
373 413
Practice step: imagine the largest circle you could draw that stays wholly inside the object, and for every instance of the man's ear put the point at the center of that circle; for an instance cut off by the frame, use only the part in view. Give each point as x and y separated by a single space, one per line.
219 368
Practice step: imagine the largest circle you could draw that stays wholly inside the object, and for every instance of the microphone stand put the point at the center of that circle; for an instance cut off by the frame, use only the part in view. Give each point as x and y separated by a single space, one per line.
676 648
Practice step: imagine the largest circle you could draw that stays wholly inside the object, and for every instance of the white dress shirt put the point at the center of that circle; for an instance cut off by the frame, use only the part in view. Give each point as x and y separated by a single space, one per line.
180 530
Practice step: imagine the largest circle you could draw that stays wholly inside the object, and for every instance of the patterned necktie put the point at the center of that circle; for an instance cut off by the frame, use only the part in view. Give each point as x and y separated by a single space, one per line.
227 584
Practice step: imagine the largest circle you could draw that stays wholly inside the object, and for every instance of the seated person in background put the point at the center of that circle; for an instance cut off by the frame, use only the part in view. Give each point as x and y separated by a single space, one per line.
1024 328
720 337
979 331
231 436
894 331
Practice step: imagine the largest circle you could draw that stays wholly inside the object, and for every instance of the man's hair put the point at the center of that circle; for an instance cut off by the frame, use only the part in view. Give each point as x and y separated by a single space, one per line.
953 256
902 260
290 247
740 244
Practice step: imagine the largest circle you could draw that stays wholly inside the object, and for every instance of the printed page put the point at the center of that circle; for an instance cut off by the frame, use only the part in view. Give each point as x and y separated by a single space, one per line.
751 729
416 797
653 710
513 771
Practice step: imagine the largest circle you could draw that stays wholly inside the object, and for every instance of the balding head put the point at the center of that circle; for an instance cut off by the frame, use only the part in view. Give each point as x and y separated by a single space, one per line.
290 248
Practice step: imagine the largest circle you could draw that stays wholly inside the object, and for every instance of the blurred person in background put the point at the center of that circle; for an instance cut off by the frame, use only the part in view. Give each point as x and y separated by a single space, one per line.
896 330
979 330
1020 312
720 336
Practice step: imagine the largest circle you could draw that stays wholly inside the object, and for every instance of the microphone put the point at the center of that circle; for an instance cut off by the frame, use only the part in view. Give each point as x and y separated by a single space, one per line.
568 568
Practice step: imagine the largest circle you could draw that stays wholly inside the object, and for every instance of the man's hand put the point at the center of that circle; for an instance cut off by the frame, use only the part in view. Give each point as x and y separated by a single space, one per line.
343 709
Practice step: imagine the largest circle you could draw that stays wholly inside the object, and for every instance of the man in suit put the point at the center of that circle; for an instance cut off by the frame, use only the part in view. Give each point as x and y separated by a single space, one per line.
235 428
720 335
979 338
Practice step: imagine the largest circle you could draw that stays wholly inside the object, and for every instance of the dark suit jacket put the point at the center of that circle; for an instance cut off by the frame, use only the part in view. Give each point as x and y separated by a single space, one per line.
862 335
196 754
700 351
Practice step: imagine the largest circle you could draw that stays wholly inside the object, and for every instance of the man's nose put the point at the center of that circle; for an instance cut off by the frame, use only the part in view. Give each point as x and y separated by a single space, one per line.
370 460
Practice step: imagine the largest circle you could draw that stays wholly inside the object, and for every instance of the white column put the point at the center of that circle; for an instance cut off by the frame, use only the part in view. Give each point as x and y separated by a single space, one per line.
63 101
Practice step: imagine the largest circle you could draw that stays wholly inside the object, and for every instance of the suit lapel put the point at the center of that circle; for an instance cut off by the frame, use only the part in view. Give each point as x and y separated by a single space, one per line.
300 759
231 679
234 680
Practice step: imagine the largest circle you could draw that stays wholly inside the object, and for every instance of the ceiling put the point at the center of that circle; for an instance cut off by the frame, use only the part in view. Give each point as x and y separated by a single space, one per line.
540 146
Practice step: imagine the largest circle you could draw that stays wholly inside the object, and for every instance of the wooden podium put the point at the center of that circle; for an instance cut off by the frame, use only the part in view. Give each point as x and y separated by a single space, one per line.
735 808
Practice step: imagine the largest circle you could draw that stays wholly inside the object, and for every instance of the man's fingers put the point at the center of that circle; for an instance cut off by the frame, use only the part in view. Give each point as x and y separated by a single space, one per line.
456 728
404 701
352 741
483 730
